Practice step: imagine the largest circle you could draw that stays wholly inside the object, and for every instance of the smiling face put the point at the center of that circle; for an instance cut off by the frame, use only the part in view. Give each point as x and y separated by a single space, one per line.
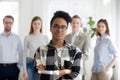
58 33
36 25
76 24
101 28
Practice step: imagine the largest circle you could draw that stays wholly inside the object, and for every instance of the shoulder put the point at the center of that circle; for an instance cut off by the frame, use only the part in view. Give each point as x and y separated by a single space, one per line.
86 35
73 47
42 48
68 35
27 37
0 34
106 39
74 51
15 35
45 36
109 40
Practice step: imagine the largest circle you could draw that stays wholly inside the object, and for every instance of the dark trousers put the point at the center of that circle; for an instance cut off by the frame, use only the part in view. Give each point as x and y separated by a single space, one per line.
9 72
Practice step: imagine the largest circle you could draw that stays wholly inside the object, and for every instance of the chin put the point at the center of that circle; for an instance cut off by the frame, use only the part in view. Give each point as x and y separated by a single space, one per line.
59 38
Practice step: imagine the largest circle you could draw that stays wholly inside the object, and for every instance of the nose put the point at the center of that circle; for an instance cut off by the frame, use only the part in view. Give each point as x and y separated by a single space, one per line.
59 29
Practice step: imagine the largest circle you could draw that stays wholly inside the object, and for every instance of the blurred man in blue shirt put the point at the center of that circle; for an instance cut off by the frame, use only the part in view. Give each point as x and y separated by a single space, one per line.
10 51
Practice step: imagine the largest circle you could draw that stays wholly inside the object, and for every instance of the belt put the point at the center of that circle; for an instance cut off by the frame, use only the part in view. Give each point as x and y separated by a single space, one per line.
8 64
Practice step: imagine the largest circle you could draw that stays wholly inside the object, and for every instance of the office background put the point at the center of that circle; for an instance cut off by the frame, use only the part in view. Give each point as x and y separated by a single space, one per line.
24 10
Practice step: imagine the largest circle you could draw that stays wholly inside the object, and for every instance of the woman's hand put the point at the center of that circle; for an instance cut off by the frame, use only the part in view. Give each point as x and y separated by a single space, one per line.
64 71
25 76
106 69
40 67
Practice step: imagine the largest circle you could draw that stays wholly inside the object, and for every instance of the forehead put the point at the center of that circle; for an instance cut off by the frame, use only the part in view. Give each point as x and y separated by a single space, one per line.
76 19
8 19
60 21
101 23
37 20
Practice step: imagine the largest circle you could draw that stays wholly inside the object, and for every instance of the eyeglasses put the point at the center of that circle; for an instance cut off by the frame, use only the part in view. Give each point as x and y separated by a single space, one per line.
8 23
60 27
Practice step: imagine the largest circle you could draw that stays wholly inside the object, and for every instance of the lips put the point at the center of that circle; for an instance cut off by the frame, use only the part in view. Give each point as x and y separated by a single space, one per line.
58 34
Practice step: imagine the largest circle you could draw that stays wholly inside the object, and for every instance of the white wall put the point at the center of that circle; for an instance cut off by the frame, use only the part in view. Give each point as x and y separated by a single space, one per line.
29 9
117 77
84 8
109 9
118 23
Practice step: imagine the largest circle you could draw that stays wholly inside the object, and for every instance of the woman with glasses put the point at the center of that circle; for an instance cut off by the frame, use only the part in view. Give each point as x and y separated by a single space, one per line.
58 60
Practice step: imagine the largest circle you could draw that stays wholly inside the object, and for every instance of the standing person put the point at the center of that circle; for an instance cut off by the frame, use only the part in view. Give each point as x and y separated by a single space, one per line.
105 53
81 40
31 43
58 60
10 51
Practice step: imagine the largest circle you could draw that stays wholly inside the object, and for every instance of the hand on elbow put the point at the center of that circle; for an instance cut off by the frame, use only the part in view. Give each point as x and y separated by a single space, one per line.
40 67
64 72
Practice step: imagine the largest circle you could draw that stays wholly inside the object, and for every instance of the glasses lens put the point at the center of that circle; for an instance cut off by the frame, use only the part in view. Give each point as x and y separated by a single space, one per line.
60 27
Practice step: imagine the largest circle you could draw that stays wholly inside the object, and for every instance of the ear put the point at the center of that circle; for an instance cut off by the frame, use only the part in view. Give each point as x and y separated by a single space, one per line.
81 25
50 29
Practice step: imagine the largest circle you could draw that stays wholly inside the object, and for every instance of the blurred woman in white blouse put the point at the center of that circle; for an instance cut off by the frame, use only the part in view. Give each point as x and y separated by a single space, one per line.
32 41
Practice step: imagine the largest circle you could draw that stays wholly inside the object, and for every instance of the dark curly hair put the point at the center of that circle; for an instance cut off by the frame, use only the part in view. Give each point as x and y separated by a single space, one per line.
61 14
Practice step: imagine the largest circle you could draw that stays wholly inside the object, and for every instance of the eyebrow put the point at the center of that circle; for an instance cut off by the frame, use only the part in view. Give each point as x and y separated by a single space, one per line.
61 25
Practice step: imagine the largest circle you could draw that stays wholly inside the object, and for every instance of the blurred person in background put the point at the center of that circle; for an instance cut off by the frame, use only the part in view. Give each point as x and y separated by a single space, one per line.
81 40
105 53
31 43
10 51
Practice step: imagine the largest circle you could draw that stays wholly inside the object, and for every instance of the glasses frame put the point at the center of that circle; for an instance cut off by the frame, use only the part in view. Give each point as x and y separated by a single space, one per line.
8 23
57 27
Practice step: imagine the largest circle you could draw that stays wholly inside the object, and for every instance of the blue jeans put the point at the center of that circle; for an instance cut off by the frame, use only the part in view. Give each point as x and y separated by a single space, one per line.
30 69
